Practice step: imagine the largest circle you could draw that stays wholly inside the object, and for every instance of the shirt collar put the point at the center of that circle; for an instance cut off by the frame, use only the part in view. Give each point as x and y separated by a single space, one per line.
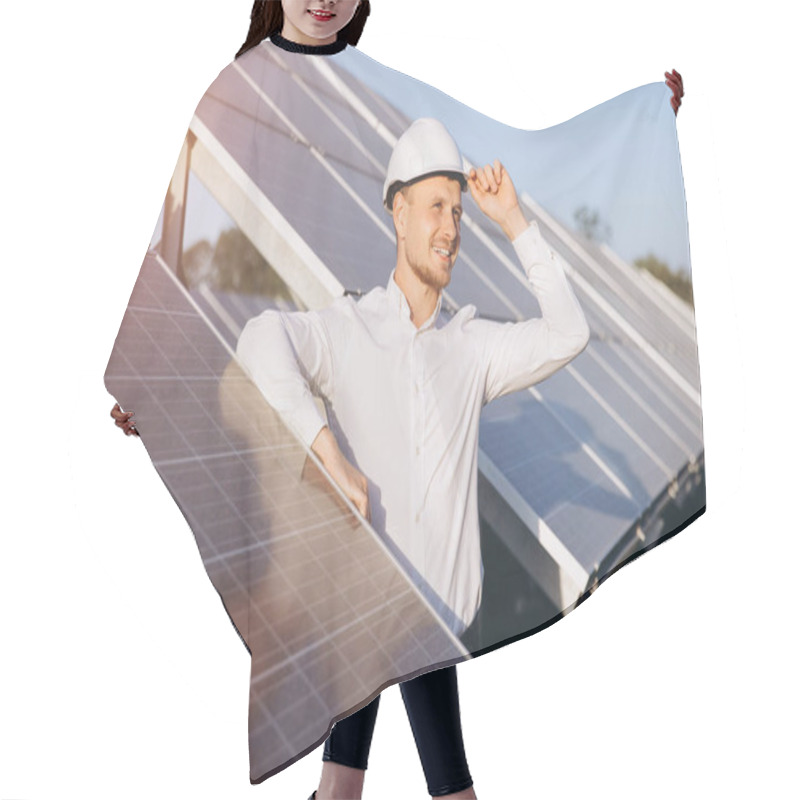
398 302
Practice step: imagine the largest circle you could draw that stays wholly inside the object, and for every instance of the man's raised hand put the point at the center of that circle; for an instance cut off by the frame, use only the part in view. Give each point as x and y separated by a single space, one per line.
493 190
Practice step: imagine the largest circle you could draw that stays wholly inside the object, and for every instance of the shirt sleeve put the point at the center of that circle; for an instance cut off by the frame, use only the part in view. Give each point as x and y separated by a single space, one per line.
521 354
289 358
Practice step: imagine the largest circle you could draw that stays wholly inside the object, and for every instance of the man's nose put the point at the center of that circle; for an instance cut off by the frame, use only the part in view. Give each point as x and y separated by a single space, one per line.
450 228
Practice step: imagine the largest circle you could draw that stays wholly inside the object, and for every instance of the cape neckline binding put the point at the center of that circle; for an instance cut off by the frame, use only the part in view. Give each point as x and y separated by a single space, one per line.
310 49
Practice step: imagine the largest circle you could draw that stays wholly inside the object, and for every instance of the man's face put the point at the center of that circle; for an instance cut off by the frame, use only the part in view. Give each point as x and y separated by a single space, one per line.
316 21
431 229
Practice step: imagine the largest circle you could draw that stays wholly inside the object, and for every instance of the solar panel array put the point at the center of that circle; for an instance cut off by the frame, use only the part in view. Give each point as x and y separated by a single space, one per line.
314 594
568 467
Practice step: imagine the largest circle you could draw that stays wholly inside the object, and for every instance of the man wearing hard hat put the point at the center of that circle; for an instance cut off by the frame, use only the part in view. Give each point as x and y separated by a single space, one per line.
404 385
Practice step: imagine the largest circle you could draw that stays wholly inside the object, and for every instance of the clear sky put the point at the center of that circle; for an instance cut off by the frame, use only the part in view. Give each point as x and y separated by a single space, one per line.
619 158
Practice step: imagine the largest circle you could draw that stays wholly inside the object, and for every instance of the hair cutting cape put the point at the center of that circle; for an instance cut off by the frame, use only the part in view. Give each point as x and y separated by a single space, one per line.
276 203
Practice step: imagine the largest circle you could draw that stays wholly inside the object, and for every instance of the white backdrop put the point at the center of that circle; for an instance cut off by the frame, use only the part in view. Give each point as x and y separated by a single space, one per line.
120 674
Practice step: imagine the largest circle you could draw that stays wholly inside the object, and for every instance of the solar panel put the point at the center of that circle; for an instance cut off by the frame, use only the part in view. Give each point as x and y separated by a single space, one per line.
313 593
570 470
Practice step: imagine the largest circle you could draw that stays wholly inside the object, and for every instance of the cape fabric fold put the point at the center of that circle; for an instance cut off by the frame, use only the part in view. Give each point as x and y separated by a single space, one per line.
276 203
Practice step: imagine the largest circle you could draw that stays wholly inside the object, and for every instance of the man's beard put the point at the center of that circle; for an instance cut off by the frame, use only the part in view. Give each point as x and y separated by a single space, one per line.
429 275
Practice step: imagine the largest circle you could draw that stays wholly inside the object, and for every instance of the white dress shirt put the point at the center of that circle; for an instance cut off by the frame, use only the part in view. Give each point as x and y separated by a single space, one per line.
404 403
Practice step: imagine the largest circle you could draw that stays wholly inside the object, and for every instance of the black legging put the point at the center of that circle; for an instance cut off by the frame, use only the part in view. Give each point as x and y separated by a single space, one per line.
433 711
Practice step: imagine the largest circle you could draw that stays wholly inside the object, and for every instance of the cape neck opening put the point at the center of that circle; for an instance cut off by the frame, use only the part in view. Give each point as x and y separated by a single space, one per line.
309 49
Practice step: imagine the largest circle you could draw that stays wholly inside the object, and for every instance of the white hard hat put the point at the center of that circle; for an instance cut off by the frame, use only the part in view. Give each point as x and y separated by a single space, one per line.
426 148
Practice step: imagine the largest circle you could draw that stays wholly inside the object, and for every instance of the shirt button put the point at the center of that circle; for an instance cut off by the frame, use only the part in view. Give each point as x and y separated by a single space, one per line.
416 518
417 449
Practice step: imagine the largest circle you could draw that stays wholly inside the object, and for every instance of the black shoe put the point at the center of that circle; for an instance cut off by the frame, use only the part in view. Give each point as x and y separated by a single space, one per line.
313 795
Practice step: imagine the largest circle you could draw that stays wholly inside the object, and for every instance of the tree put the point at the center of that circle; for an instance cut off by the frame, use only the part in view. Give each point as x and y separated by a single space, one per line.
232 264
589 223
680 282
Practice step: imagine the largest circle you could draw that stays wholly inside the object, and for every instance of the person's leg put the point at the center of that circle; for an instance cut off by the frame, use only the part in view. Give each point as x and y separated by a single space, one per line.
345 755
435 716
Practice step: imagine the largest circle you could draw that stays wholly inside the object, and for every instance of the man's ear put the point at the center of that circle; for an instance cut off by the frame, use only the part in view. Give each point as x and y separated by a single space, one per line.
400 213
